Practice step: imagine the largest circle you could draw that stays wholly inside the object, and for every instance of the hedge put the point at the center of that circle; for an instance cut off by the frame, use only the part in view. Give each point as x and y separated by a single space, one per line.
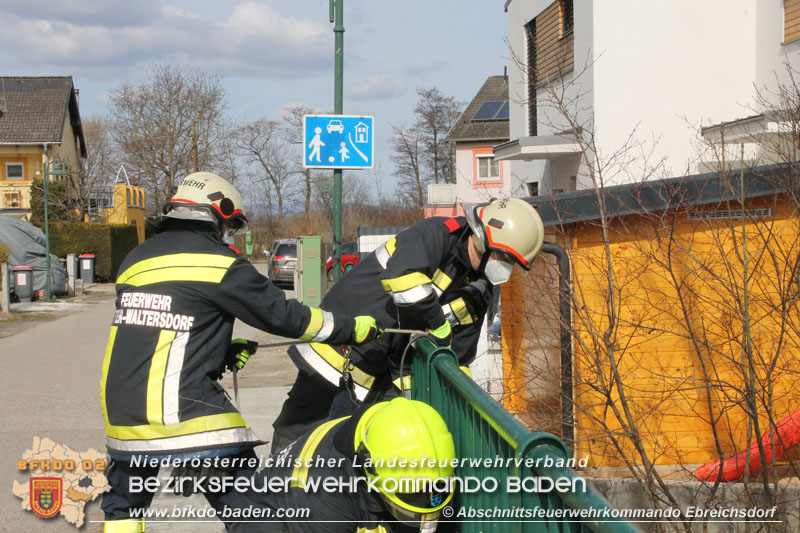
110 243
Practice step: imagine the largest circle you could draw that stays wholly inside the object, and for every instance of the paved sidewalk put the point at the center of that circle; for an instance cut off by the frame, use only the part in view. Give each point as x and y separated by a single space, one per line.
51 371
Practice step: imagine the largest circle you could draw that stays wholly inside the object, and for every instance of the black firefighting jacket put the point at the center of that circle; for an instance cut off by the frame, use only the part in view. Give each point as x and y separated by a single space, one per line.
297 475
404 284
177 297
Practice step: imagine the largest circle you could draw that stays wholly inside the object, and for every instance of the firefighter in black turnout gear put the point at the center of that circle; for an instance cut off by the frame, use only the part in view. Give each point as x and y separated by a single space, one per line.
390 465
434 276
178 295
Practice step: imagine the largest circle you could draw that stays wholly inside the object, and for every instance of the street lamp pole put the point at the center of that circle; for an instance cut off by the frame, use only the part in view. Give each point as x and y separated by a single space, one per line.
60 171
47 275
336 17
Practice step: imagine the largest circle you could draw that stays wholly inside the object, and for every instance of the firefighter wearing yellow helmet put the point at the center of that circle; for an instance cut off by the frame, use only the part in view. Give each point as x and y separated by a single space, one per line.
178 295
401 448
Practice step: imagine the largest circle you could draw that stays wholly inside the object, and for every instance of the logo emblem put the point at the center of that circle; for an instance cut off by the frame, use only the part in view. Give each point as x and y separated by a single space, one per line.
46 495
436 499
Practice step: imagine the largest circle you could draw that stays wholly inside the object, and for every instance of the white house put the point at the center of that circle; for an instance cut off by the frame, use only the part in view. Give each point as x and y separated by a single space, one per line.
479 176
661 78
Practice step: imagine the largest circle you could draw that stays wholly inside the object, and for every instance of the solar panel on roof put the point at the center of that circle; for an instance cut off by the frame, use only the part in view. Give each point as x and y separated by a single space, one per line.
502 114
487 111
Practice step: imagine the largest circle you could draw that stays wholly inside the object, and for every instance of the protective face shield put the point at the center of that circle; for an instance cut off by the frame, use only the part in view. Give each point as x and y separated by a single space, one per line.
421 521
206 196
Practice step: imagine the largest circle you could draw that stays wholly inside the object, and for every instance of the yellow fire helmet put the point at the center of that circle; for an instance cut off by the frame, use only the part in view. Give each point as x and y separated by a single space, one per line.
511 226
207 190
405 446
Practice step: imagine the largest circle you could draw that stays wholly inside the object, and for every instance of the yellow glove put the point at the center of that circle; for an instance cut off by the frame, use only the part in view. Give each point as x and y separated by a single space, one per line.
442 336
365 330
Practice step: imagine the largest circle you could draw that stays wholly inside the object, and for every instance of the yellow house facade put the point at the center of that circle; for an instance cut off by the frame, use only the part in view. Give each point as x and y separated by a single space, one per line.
128 207
683 326
39 125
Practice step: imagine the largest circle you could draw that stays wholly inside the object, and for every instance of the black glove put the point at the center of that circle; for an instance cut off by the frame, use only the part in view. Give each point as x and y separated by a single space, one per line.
365 330
239 352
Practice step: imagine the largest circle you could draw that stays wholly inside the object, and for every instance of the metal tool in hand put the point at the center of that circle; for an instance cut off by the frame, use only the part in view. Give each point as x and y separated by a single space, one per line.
387 330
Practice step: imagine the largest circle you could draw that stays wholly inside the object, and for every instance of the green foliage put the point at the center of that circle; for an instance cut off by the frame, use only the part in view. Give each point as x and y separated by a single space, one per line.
57 201
109 242
4 251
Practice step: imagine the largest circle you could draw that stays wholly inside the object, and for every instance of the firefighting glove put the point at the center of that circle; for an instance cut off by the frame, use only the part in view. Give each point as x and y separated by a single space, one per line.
442 336
239 352
365 330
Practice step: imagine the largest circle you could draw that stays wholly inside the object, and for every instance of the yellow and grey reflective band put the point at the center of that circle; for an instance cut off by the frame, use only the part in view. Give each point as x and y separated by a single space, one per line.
449 315
329 363
155 379
124 525
441 281
385 251
320 326
191 427
300 472
209 268
461 311
409 288
377 529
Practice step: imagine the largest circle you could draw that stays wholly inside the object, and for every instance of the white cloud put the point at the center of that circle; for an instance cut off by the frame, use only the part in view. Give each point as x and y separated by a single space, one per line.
254 41
376 87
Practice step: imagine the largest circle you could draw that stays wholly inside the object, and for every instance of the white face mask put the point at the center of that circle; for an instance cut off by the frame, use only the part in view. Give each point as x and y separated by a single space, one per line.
497 271
227 237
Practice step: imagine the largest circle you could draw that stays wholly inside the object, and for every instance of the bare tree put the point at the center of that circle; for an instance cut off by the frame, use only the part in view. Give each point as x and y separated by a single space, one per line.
407 147
98 172
263 147
435 115
169 127
293 117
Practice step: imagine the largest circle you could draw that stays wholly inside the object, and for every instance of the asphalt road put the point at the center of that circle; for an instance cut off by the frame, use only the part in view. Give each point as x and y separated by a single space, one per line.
51 372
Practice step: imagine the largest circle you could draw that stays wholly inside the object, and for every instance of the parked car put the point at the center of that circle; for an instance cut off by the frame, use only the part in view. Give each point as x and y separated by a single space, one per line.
282 259
349 259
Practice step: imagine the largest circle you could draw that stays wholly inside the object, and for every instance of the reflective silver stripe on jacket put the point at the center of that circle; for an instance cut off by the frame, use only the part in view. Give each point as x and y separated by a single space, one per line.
413 295
313 361
327 327
449 315
220 437
382 255
172 378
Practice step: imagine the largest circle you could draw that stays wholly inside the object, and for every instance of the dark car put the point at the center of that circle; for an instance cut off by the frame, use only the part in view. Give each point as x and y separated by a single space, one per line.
282 259
349 259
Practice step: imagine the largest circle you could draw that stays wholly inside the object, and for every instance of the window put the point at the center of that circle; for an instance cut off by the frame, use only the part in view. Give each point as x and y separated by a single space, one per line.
128 194
533 188
11 200
567 21
14 172
488 168
141 199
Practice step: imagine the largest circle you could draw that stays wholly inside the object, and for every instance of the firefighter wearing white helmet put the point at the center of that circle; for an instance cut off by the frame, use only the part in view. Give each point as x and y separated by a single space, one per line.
403 448
505 232
178 295
436 275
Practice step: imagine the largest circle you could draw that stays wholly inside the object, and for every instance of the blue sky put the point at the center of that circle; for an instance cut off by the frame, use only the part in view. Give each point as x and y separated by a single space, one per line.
269 53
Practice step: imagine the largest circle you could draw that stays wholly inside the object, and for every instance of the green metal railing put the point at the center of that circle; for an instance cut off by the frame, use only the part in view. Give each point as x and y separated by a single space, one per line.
494 445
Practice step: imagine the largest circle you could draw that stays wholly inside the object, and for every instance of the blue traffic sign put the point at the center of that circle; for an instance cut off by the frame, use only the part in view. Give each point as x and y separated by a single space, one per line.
337 141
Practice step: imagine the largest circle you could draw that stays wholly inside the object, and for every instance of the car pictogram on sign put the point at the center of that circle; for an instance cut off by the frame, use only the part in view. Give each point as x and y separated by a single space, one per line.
335 125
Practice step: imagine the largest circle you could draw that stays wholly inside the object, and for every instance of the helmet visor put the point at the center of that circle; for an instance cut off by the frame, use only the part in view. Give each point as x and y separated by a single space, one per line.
411 518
